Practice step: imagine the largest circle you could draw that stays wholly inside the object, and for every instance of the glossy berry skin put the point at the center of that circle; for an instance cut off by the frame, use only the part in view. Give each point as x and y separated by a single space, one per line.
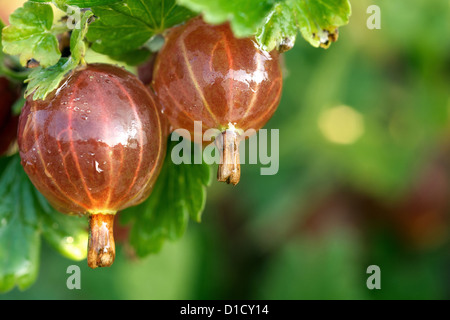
203 73
96 145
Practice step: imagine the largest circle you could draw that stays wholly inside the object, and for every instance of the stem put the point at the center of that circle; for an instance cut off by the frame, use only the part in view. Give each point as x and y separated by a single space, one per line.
19 76
101 247
229 170
59 28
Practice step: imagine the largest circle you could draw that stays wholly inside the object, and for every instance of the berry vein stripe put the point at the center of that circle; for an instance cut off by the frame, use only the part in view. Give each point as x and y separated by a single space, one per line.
41 158
274 104
178 106
175 101
72 147
213 52
151 172
64 156
105 132
122 157
231 77
256 90
141 140
196 85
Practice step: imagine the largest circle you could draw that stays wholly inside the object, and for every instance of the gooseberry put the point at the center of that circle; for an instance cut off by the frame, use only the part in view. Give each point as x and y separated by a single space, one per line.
204 73
93 147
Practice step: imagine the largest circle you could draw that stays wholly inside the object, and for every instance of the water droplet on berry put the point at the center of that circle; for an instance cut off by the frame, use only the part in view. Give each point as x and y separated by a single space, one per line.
97 167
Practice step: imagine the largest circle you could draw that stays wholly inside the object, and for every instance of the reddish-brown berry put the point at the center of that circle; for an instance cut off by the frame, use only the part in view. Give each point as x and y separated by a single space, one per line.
93 147
203 73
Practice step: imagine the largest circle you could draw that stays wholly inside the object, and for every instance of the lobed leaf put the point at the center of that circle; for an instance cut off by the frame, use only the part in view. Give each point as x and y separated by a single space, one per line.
6 61
275 23
19 233
24 216
245 17
78 3
121 30
43 81
318 21
29 35
280 30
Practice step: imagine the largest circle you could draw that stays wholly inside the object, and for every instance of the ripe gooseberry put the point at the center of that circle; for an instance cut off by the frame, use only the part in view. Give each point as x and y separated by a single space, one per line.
203 73
94 146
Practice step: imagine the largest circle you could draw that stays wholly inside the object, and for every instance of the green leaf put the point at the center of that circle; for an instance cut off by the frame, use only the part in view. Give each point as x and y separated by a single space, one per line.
67 234
42 81
318 21
7 61
79 3
77 44
133 57
123 29
29 35
280 30
18 105
179 193
3 164
19 233
2 25
245 16
90 3
24 216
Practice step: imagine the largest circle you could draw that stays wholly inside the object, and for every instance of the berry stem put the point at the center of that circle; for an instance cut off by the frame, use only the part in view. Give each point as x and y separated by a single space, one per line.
229 170
101 247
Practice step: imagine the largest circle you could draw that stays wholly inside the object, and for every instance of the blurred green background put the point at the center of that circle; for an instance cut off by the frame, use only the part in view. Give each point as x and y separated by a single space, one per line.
363 180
